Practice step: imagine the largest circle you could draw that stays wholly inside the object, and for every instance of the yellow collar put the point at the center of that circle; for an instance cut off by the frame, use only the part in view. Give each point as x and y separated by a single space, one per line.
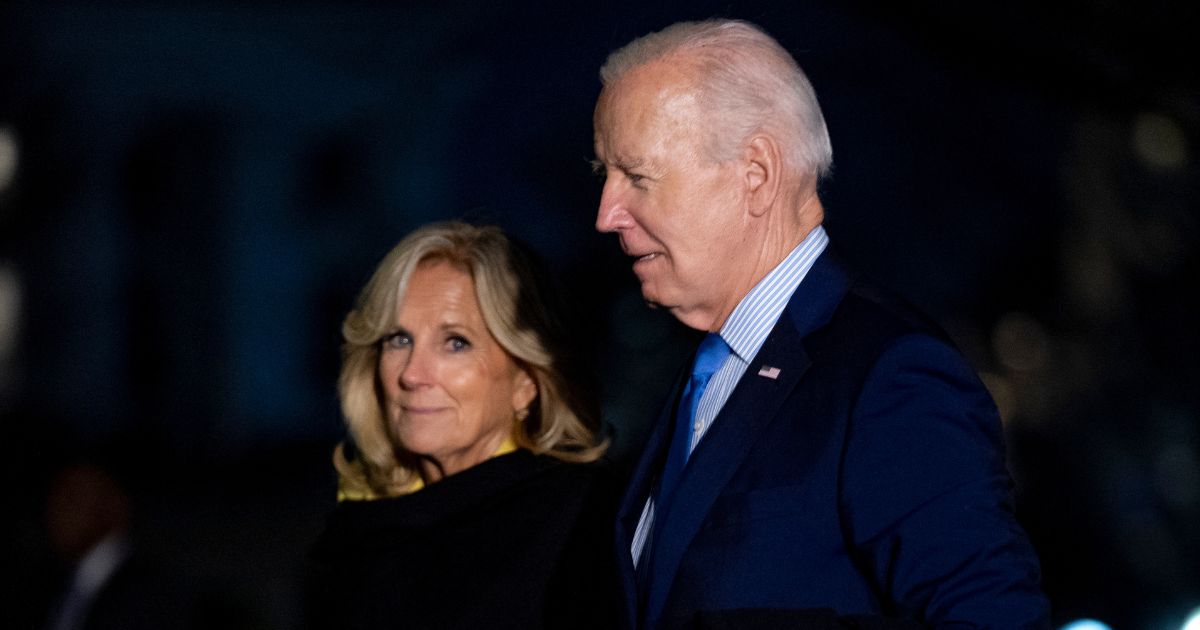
345 493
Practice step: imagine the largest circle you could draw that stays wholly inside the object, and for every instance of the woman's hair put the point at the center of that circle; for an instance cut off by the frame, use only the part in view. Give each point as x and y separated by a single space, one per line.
518 309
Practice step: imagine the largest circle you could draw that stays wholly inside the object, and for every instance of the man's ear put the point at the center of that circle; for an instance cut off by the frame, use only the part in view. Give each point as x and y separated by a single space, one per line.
764 163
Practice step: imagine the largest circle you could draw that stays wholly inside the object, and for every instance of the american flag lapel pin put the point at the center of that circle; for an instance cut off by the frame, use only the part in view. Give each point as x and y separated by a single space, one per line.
769 372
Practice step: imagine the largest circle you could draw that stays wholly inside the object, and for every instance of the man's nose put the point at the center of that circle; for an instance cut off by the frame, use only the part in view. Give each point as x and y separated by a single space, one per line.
612 214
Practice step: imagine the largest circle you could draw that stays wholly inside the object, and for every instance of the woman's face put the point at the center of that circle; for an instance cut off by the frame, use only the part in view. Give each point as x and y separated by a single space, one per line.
450 391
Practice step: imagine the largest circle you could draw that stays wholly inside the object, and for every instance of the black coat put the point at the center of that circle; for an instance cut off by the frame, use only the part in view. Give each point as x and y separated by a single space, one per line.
518 541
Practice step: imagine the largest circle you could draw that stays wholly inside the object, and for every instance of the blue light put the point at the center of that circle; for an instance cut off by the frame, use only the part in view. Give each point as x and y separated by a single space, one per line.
1193 620
1087 624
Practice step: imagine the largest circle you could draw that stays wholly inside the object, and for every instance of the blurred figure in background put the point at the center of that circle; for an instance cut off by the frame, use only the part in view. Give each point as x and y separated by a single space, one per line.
469 494
111 582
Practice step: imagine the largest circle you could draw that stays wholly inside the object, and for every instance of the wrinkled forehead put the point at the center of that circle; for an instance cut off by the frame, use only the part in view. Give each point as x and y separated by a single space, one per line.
659 97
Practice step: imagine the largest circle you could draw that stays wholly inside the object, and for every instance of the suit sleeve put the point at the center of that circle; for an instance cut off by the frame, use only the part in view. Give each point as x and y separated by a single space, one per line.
925 495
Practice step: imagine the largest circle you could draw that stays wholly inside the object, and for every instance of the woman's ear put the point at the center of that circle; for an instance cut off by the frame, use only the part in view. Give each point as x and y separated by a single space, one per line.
524 389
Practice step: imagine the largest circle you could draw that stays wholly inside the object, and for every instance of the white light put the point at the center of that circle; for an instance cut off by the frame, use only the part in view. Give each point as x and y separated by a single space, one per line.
8 157
1086 624
1193 620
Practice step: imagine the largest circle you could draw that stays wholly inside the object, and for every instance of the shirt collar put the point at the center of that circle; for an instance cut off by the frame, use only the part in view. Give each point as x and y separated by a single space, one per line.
754 317
101 562
509 445
346 493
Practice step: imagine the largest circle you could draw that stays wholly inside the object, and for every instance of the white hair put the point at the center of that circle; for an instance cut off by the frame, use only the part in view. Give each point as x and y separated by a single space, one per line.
749 83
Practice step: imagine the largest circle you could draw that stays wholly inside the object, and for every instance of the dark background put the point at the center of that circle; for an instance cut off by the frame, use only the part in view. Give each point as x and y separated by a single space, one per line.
192 194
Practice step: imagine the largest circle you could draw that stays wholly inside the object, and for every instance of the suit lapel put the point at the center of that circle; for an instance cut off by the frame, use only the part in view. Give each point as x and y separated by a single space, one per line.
753 404
634 501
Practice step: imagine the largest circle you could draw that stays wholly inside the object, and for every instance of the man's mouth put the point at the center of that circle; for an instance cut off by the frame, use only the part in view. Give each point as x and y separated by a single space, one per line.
645 257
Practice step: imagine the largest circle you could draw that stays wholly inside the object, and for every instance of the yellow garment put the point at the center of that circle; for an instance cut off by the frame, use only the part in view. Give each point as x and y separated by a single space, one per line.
346 493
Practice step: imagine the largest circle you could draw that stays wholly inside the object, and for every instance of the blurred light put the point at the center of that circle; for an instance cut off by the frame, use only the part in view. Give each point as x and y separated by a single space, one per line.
1159 142
1086 624
1021 343
10 305
1193 620
8 157
1003 393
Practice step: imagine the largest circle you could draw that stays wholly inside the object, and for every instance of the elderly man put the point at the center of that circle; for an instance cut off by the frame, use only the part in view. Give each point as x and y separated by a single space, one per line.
831 457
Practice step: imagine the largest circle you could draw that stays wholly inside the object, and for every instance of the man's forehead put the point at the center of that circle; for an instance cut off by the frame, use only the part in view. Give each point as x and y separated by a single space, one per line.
661 77
644 97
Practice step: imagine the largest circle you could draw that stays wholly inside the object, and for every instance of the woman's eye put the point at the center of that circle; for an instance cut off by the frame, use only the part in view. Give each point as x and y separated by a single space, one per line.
396 340
457 343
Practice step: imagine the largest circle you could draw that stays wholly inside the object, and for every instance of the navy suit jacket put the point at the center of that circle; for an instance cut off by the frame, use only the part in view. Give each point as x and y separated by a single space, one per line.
867 478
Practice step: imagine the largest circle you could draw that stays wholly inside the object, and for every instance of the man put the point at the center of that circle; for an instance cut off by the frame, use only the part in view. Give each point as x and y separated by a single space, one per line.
112 583
832 457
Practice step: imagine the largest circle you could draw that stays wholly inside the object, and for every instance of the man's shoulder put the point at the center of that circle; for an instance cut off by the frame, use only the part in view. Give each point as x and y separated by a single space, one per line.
867 321
869 303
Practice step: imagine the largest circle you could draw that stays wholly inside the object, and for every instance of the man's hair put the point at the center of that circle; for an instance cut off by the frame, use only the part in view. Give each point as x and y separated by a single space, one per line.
749 83
514 298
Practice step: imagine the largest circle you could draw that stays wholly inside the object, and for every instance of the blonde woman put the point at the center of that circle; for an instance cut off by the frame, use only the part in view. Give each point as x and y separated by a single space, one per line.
469 494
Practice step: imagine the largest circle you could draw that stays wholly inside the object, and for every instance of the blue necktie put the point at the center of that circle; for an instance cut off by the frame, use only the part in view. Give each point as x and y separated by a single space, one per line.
709 358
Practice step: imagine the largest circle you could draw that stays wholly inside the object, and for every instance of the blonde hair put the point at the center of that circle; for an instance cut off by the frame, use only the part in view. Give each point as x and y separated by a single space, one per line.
512 298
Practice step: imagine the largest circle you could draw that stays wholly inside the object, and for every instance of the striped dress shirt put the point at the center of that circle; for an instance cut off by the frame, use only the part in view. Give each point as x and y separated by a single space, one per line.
744 331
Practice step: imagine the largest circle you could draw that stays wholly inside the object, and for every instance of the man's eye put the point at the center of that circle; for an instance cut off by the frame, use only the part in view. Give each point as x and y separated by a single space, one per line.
396 340
635 180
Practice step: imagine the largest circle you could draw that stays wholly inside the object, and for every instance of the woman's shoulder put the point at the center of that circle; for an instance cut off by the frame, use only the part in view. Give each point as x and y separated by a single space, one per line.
597 479
514 478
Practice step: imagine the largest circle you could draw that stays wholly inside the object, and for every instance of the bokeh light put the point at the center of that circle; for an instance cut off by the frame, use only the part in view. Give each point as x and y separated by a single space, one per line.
1193 620
1159 142
10 307
1086 624
1003 394
1020 342
8 157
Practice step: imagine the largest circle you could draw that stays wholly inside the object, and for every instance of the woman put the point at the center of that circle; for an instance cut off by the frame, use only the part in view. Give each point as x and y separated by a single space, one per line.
467 496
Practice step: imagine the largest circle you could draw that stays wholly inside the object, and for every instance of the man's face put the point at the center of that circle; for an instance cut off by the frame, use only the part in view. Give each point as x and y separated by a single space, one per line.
677 211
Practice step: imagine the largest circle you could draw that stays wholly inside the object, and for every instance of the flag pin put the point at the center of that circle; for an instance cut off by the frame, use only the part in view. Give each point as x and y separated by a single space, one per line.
769 372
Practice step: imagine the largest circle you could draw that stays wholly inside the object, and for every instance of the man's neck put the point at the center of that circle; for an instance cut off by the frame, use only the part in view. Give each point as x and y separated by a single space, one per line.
785 230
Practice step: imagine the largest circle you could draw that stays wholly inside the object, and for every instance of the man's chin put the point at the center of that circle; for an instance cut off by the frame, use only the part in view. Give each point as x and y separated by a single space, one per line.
651 299
676 311
690 317
656 302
